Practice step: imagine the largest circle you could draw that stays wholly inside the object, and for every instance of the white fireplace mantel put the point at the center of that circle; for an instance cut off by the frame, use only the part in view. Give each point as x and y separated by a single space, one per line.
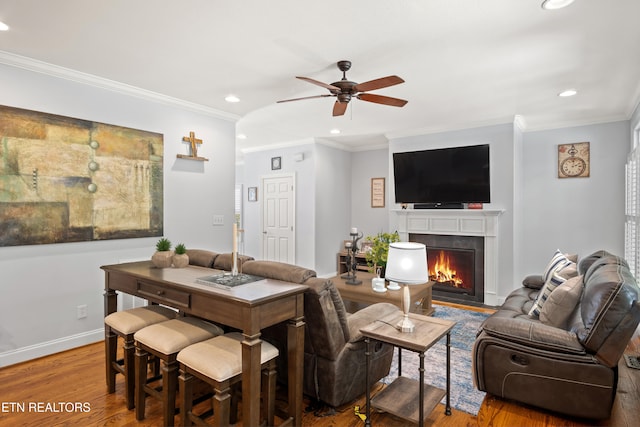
457 222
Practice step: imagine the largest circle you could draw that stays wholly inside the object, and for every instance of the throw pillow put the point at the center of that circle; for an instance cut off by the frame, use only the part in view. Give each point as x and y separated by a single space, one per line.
554 281
558 262
561 302
559 269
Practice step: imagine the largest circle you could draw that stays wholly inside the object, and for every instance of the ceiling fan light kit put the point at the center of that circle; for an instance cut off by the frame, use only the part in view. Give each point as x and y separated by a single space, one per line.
344 90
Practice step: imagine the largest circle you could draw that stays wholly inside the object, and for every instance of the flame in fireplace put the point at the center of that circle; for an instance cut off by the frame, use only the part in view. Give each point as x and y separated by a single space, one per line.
442 270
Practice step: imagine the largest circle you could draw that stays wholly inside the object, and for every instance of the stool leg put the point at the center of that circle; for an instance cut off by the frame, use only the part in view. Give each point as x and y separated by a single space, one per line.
185 381
236 394
169 384
221 404
129 370
141 358
269 391
110 347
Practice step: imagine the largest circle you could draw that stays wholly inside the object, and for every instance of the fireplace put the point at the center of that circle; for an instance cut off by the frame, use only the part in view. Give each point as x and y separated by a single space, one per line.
456 264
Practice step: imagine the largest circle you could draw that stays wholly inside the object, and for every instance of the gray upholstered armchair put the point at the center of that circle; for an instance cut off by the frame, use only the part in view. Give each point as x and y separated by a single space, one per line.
334 359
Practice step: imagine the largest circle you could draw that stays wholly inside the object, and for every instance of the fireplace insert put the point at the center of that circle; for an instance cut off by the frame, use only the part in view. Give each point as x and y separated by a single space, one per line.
456 264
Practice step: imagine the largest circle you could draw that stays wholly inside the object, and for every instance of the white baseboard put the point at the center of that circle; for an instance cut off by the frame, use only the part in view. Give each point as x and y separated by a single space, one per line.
23 354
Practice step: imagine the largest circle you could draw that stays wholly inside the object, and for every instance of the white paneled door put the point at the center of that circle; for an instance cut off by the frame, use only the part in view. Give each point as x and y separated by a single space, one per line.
278 218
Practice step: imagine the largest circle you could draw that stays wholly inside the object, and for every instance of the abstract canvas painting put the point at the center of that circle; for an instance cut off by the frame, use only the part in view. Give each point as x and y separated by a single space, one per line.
70 180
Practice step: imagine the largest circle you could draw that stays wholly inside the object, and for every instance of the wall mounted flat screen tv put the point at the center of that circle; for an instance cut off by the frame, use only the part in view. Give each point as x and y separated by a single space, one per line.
443 176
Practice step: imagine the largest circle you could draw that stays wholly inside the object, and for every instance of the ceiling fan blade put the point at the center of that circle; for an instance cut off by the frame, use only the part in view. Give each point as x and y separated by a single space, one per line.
339 108
378 83
316 82
304 97
379 99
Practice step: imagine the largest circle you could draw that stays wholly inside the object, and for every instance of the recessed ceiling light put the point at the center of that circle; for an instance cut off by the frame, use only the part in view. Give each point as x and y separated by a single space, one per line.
232 98
568 92
3 26
242 136
555 4
335 131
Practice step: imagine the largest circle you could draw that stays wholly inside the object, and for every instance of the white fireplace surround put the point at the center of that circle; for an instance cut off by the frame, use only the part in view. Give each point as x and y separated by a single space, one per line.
457 222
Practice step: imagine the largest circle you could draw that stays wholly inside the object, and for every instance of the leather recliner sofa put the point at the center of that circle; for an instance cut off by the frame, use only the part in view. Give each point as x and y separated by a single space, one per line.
572 370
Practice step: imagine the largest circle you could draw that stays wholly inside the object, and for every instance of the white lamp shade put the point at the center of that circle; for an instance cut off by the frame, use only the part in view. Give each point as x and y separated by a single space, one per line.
407 263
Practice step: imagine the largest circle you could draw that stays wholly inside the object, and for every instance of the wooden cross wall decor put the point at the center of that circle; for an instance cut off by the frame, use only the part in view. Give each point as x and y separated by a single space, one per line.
191 139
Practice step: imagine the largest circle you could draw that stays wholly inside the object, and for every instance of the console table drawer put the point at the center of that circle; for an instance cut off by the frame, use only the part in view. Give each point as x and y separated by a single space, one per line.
162 294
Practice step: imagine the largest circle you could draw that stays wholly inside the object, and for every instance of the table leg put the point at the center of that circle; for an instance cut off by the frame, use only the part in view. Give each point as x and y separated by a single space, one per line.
421 392
447 410
295 356
251 349
110 339
367 421
110 348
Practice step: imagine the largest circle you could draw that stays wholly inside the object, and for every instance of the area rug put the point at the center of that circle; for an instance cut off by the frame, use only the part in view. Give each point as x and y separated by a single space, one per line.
464 396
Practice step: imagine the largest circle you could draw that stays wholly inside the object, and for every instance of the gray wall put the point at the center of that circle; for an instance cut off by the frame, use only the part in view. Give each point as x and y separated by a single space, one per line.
42 285
575 215
333 205
364 166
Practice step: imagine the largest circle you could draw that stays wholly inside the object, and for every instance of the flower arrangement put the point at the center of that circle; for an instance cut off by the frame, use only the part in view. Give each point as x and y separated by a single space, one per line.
377 256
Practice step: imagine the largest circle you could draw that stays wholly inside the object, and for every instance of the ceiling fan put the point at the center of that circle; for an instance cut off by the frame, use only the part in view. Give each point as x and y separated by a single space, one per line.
344 90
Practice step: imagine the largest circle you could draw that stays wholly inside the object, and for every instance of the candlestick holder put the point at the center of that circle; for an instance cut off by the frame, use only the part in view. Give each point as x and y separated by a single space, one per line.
352 249
234 252
234 268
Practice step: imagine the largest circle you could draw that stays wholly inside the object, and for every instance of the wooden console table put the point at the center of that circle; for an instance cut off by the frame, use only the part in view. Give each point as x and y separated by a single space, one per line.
421 295
249 308
399 397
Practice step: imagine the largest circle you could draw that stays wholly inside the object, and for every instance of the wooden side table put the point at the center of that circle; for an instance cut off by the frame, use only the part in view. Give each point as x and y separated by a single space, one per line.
399 398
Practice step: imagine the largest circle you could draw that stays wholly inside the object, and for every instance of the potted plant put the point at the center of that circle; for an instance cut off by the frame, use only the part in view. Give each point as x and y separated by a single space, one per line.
180 258
377 255
162 258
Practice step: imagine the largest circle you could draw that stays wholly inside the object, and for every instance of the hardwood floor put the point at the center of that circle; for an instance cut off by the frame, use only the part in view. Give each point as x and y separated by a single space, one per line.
69 388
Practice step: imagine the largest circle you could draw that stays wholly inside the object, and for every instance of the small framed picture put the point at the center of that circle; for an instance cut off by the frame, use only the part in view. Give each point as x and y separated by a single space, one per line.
276 163
377 192
252 194
573 160
366 246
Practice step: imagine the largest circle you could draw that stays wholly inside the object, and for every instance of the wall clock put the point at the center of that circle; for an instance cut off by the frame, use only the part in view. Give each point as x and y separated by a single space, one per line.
573 160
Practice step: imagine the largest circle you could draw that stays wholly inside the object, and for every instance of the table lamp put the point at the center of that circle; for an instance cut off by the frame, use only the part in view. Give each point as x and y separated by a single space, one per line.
407 264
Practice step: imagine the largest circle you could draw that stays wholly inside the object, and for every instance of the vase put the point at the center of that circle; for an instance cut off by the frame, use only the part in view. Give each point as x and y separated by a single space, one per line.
180 260
162 259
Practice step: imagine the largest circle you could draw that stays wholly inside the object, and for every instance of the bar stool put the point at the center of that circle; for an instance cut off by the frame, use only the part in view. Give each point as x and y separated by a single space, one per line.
218 362
164 340
124 324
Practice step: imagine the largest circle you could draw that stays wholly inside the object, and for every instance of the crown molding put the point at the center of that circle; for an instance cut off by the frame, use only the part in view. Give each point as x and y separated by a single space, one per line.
112 85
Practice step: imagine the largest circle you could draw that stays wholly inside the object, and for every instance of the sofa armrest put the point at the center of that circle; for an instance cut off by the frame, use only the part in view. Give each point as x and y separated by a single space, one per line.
534 281
533 334
370 314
